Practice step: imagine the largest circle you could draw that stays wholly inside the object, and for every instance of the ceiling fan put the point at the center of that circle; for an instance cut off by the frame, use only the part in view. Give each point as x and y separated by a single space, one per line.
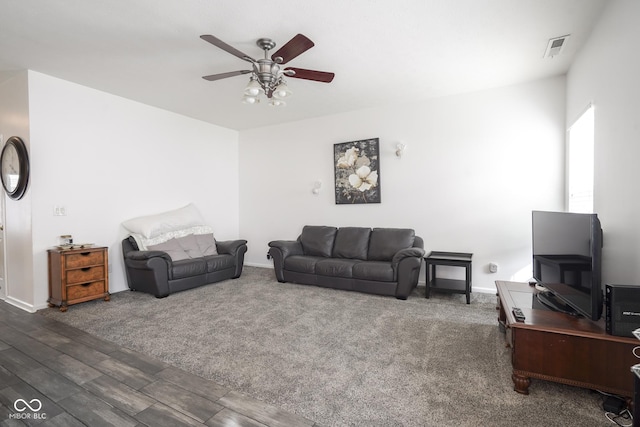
267 75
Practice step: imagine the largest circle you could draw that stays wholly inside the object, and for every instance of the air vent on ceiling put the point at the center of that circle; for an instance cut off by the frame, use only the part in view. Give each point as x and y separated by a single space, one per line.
555 46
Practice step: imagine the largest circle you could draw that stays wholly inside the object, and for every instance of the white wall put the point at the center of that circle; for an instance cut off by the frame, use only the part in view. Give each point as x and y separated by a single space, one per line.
14 121
107 159
606 73
474 168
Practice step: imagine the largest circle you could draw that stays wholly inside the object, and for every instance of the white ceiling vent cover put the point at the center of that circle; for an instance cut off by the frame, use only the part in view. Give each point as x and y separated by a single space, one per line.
555 46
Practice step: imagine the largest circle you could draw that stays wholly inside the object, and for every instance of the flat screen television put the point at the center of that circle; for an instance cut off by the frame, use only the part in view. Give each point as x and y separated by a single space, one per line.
567 258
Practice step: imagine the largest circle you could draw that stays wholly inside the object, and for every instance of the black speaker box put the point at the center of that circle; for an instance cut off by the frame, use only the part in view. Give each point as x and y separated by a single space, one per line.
622 304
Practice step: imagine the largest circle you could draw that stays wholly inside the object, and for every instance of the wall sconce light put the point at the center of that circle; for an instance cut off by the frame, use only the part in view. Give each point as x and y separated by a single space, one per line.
400 149
316 187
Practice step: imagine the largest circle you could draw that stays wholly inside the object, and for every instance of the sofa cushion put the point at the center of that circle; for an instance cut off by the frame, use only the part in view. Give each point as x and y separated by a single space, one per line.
352 243
207 244
219 262
380 271
317 240
385 242
335 267
189 246
188 268
198 245
171 247
133 243
301 263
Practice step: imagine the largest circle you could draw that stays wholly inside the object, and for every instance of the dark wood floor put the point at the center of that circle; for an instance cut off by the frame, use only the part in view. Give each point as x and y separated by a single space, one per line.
82 380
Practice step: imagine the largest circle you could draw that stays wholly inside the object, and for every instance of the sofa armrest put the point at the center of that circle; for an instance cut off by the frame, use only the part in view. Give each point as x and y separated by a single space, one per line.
407 264
279 250
146 255
230 246
148 271
236 248
287 247
406 253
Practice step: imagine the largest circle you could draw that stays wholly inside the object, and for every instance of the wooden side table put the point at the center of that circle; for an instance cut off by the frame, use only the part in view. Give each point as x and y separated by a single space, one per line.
456 259
78 275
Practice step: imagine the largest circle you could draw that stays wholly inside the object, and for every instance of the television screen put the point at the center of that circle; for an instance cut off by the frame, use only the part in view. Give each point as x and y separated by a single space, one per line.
567 253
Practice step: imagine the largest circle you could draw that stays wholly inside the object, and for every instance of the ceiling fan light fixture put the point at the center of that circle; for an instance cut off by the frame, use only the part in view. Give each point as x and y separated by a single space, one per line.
253 88
274 102
248 99
282 91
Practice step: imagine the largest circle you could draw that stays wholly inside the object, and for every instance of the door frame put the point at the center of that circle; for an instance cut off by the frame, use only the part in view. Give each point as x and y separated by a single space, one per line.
3 240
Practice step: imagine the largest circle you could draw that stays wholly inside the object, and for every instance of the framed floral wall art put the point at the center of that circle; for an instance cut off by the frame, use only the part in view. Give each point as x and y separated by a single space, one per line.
357 171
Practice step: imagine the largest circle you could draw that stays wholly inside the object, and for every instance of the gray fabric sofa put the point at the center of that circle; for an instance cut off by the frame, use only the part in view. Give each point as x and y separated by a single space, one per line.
383 261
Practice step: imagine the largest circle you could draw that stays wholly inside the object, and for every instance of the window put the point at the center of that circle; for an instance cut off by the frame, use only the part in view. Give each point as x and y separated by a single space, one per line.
580 163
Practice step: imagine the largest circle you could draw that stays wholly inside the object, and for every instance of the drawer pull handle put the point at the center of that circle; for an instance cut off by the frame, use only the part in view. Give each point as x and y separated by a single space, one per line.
85 268
84 285
85 253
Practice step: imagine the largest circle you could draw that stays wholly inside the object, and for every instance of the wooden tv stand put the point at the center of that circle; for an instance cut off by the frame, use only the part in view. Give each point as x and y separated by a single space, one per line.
559 347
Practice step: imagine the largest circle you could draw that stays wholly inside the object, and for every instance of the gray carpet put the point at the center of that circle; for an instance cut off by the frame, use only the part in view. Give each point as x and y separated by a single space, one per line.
340 358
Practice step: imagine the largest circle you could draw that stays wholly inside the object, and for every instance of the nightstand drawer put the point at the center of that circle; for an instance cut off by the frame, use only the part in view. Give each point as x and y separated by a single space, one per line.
85 290
83 259
86 274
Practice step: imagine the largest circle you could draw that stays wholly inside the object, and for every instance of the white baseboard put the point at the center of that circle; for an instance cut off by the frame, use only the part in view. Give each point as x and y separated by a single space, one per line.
21 304
485 290
259 265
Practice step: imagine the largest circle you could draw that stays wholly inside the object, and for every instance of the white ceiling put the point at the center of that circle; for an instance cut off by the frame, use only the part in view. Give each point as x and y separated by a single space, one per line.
382 51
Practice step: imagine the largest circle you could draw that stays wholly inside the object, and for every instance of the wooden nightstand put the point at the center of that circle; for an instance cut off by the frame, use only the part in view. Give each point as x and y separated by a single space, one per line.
78 275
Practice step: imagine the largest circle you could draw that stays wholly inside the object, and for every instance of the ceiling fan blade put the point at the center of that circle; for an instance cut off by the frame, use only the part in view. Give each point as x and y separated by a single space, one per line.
294 47
213 77
222 45
318 76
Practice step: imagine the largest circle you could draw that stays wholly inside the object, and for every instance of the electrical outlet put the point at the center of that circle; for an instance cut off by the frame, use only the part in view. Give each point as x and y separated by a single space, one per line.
59 211
493 267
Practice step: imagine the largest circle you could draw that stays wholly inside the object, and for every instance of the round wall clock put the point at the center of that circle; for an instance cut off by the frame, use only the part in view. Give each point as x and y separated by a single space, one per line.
14 168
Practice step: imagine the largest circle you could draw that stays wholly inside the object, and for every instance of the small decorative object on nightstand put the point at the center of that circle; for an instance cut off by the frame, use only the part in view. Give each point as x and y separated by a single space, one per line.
456 259
77 274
